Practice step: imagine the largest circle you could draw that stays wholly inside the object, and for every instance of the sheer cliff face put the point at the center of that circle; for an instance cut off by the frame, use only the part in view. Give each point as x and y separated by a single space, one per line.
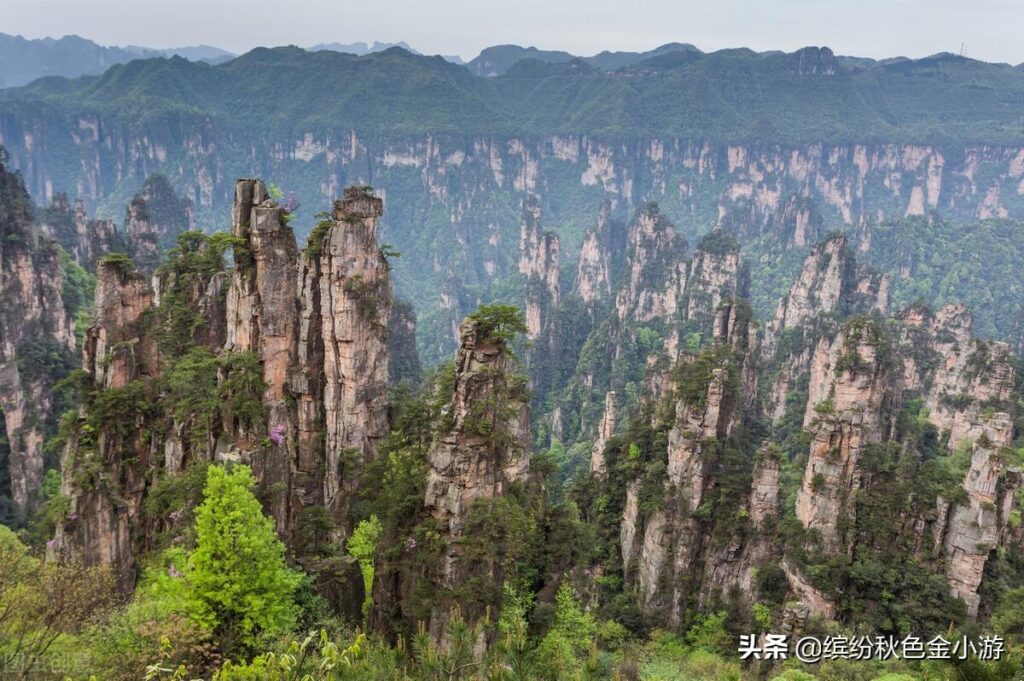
970 530
105 474
316 323
830 286
655 269
119 347
481 449
684 549
843 372
83 238
34 326
262 318
594 267
856 379
355 306
538 263
757 183
319 324
473 185
846 390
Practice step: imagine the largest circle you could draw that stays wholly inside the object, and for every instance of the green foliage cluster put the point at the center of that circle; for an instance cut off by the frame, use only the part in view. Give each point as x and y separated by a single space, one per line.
184 276
743 95
976 264
501 323
237 582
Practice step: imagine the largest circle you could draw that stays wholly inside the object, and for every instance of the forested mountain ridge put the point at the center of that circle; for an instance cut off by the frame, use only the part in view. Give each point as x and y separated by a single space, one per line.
843 468
779 148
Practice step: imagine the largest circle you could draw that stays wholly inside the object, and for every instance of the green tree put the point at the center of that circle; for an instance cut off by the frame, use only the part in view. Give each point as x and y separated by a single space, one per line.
362 546
238 583
499 322
571 635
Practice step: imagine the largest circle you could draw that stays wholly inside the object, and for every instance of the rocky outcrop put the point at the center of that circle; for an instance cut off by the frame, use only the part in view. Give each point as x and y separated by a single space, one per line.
36 338
814 61
656 268
959 375
120 345
604 431
319 325
314 329
355 307
105 474
831 286
599 256
970 530
715 274
538 263
848 384
85 239
481 449
262 318
686 548
857 377
153 220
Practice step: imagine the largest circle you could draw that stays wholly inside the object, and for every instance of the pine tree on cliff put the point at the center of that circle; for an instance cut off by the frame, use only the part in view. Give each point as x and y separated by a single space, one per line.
239 585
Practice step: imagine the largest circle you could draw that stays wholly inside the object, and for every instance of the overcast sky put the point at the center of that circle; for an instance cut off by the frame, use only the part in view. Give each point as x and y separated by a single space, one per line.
991 29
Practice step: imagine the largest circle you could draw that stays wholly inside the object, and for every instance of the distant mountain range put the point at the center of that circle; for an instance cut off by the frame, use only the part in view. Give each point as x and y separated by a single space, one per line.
23 60
359 49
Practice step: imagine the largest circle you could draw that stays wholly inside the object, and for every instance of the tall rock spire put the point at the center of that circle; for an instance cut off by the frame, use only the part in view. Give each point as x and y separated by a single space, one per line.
355 308
478 457
263 318
33 324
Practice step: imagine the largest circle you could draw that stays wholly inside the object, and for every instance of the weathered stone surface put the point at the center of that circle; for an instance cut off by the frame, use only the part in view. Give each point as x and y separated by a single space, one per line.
604 431
594 268
33 324
355 307
656 268
847 387
830 286
105 479
85 239
118 347
472 464
669 556
974 529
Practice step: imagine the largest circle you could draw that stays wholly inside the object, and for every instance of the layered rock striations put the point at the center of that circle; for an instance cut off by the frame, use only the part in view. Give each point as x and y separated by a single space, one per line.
106 466
906 413
830 287
538 264
355 306
303 338
36 338
263 318
479 452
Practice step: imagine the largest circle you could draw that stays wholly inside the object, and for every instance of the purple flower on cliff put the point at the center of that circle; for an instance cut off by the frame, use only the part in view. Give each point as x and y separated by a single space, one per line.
51 545
277 434
173 571
72 516
289 203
